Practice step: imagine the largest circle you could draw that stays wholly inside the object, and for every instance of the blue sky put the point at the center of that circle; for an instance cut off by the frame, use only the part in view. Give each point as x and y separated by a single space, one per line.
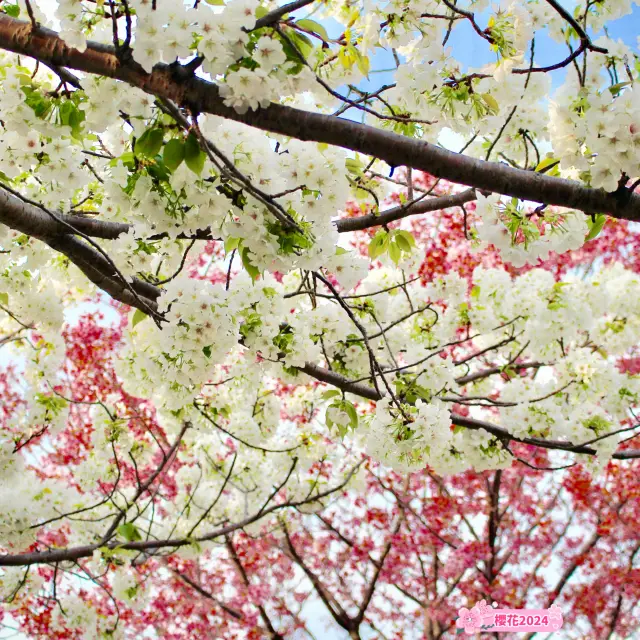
472 51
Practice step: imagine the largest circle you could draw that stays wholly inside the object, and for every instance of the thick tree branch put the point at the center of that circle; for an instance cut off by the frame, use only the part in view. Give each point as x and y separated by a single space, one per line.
56 232
31 220
34 221
336 380
185 89
100 272
97 269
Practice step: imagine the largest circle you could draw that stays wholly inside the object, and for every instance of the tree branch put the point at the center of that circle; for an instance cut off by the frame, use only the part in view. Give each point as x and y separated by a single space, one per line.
404 211
185 89
364 391
584 38
206 594
85 551
274 16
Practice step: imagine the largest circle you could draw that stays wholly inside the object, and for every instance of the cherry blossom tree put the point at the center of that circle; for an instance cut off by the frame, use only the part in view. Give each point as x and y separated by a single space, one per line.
408 551
331 359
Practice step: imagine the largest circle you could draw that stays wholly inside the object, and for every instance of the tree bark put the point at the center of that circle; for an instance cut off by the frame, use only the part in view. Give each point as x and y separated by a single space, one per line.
181 86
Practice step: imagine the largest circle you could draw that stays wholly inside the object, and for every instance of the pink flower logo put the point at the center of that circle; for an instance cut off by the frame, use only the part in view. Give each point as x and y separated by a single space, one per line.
482 609
555 617
468 620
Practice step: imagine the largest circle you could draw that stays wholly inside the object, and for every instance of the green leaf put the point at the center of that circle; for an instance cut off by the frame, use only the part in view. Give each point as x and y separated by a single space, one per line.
395 252
545 163
12 10
131 591
218 3
407 236
616 88
491 102
196 545
403 242
250 268
129 532
40 105
68 114
194 156
207 351
261 11
363 64
302 43
173 154
230 244
138 316
4 298
379 244
346 57
314 27
353 165
332 393
149 143
423 393
127 159
159 171
595 226
351 412
76 119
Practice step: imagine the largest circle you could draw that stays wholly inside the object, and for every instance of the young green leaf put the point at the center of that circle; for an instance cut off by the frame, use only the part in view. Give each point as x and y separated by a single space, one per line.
230 244
129 532
194 156
138 316
12 10
149 143
314 27
616 88
595 226
545 163
363 63
250 268
395 253
352 413
301 42
406 236
491 102
353 165
173 154
379 244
